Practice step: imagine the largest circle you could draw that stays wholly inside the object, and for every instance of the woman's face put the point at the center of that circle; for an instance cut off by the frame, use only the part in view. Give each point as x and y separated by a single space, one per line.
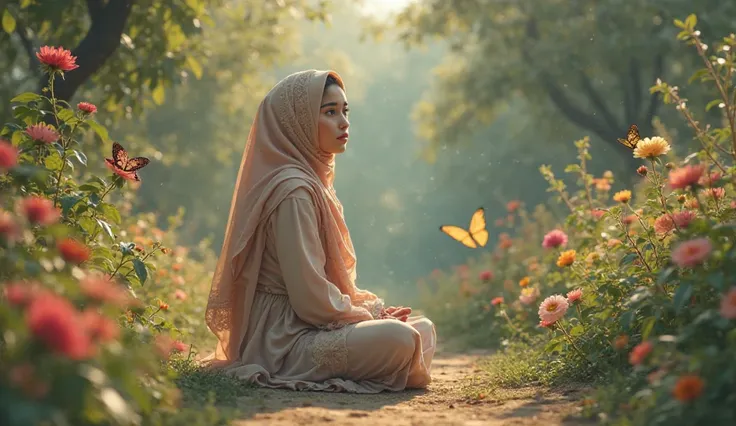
332 129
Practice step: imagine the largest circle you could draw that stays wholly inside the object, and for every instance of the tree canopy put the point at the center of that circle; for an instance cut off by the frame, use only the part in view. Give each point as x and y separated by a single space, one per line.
588 62
129 50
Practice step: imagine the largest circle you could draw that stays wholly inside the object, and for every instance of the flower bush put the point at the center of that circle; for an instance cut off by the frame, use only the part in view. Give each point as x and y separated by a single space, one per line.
636 289
92 321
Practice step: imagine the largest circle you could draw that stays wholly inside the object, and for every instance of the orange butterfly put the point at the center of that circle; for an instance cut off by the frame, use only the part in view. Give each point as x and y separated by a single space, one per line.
632 137
121 162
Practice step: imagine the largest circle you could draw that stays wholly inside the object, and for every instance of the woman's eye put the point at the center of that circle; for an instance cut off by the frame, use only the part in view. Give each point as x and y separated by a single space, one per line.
330 112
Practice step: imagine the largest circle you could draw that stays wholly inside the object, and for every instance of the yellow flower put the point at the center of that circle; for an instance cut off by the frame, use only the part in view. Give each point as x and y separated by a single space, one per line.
566 258
622 196
651 148
592 257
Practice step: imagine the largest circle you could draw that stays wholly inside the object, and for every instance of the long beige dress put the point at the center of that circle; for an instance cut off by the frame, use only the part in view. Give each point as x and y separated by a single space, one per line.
295 338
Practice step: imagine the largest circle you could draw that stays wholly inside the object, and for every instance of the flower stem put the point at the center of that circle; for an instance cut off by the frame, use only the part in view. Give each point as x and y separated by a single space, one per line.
633 245
572 343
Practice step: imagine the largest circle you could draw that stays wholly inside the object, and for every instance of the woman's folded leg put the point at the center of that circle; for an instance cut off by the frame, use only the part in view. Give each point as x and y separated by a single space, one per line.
392 352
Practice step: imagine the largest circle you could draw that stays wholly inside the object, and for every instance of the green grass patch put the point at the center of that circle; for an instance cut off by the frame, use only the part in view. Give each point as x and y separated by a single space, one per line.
525 368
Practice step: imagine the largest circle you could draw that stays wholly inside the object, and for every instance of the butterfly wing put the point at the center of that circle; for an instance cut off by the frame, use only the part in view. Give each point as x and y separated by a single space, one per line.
136 163
478 227
459 234
119 156
632 137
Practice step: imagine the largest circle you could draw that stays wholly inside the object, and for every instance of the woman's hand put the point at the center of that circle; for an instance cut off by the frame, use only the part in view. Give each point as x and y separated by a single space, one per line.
400 313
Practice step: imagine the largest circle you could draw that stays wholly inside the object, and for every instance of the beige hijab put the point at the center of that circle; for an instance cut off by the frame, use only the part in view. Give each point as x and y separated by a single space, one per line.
281 155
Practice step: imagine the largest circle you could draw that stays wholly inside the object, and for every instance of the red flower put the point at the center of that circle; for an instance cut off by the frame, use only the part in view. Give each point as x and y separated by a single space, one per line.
103 289
486 276
54 321
87 107
497 301
180 346
8 155
39 210
513 205
688 388
20 293
73 251
99 326
57 59
640 352
41 132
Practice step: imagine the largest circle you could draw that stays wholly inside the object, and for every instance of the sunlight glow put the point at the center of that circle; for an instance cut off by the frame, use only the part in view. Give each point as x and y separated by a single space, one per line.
383 8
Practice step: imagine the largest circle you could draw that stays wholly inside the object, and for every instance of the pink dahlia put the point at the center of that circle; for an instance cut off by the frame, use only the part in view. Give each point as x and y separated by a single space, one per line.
553 308
554 238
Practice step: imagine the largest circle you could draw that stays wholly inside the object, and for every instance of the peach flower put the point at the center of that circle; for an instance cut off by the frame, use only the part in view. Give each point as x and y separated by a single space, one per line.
728 304
553 308
685 176
692 253
574 296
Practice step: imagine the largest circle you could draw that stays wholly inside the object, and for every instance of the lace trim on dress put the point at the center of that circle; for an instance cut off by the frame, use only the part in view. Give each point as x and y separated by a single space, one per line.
329 349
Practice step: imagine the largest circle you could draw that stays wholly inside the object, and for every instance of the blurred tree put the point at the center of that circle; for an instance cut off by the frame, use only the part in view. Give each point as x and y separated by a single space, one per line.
127 49
590 62
197 136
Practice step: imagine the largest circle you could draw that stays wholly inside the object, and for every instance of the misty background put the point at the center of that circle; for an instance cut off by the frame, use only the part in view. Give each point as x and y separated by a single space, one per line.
455 104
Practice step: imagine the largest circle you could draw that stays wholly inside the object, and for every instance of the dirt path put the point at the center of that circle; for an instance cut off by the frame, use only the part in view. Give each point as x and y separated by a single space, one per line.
442 404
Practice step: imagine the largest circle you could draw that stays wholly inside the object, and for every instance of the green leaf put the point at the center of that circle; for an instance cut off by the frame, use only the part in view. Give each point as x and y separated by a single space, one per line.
111 212
106 227
69 201
647 327
66 115
577 330
81 157
712 103
195 66
626 319
626 260
88 225
682 295
159 94
99 129
8 22
88 187
140 270
53 162
691 21
27 97
667 274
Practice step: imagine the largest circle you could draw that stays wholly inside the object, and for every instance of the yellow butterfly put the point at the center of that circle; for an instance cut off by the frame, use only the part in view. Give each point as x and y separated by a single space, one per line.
632 137
475 236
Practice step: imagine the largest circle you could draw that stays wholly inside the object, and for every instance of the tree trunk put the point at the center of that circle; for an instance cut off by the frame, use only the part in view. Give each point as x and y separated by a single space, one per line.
102 39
